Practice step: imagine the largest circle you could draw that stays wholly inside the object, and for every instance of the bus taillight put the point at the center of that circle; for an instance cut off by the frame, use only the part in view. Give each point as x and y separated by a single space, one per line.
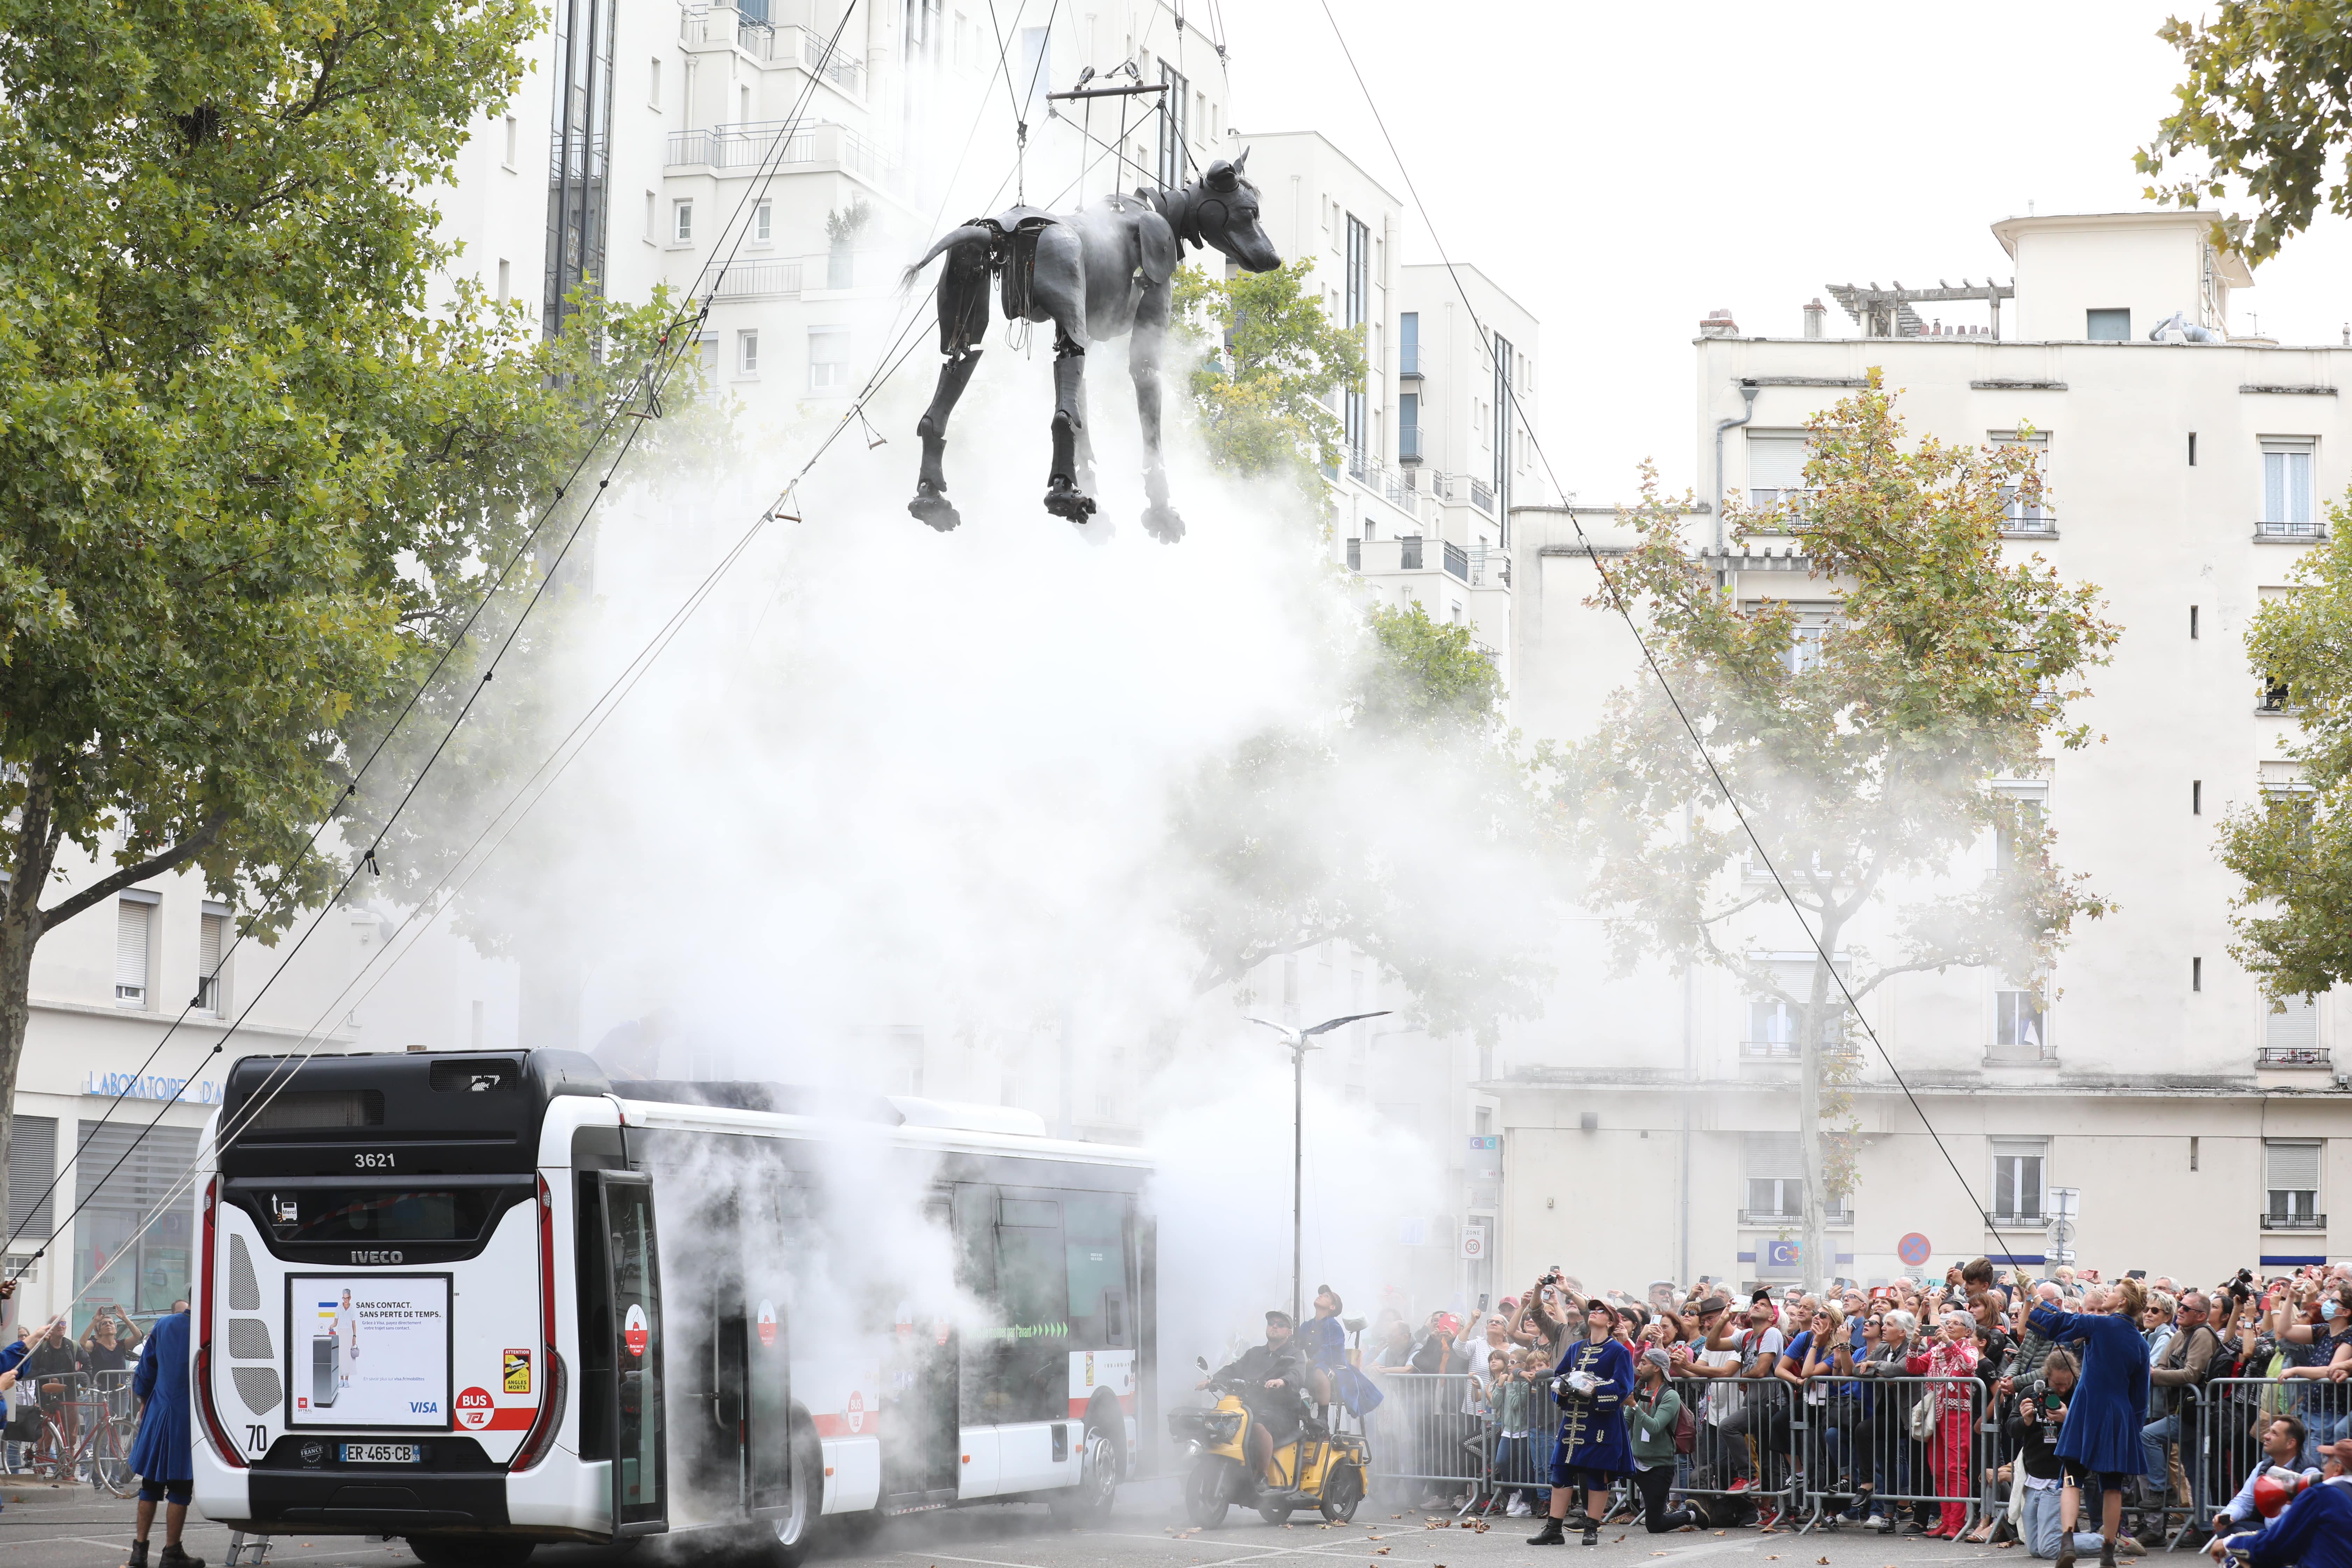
207 1283
542 1435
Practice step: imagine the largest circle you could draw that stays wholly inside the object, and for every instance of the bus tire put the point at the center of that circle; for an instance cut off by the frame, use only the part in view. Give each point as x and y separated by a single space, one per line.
469 1552
1091 1500
795 1530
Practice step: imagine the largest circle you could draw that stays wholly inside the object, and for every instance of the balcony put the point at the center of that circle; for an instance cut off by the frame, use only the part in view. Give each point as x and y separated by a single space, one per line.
758 280
2292 1058
2294 1222
1769 1219
1477 568
2275 698
2290 533
746 27
1408 443
773 144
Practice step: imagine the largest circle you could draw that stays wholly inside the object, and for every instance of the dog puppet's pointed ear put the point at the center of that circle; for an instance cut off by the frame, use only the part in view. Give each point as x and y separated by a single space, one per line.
1223 177
1241 164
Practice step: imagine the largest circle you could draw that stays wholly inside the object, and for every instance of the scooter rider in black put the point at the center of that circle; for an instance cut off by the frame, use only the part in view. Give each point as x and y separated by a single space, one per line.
1272 1376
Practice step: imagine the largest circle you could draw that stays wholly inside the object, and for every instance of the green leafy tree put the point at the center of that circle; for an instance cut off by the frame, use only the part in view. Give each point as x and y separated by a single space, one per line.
2292 848
1404 826
1269 358
2267 104
249 480
1863 752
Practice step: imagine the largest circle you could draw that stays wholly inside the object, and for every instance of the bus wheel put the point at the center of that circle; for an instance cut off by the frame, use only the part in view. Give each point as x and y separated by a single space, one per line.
1091 1501
796 1527
463 1551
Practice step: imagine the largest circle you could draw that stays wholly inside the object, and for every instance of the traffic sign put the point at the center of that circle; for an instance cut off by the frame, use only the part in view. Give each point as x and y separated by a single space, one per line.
1913 1249
1473 1242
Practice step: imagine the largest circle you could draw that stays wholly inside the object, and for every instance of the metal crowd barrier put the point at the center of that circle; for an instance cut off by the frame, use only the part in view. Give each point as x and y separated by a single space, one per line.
1839 1449
58 1423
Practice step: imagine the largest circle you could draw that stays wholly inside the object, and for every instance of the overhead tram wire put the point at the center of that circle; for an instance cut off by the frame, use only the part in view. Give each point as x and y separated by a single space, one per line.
607 703
649 382
1617 601
885 368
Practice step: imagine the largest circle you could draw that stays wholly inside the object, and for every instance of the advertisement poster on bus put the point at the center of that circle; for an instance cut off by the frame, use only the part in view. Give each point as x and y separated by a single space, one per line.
368 1351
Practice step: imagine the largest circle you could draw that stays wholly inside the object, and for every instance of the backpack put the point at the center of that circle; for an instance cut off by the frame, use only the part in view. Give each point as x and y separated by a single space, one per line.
1685 1430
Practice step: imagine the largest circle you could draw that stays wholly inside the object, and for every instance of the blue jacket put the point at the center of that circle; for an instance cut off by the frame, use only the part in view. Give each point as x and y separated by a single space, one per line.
1323 1343
1593 1426
160 1452
2313 1531
2103 1418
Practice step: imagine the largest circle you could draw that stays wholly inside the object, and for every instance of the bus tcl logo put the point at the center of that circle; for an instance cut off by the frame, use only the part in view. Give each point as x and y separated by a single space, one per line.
374 1254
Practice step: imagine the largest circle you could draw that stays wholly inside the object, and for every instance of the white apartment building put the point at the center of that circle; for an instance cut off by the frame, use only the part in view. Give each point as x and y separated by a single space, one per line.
785 158
2201 1130
1421 498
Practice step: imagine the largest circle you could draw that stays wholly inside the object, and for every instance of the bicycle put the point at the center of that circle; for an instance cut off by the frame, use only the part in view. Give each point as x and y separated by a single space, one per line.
80 1433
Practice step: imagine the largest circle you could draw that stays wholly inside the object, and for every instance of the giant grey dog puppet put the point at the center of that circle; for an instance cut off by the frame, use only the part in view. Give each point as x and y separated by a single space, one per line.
1107 269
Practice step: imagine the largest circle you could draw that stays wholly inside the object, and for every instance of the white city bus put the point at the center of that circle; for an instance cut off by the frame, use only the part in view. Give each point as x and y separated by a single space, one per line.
489 1299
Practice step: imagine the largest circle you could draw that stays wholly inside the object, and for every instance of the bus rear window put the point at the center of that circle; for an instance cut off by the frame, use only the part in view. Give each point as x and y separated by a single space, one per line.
383 1215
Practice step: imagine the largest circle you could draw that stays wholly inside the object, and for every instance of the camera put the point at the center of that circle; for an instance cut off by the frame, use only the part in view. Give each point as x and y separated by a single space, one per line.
2040 1394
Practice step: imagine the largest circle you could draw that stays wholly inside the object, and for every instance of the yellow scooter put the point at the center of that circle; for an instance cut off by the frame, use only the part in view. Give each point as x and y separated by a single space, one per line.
1318 1469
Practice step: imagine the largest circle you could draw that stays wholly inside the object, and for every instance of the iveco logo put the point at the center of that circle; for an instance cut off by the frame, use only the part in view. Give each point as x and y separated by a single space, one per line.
374 1254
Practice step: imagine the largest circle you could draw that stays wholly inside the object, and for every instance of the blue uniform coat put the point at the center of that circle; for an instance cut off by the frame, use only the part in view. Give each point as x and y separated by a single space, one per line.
160 1453
1593 1426
2102 1418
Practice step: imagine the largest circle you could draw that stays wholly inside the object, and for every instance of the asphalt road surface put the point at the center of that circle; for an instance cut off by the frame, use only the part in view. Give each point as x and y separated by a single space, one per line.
55 1528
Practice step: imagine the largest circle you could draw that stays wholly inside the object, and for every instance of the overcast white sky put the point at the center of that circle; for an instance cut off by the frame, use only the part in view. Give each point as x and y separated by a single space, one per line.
1623 170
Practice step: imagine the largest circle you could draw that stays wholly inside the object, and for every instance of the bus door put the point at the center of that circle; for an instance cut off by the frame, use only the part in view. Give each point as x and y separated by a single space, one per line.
622 1346
922 1437
767 1410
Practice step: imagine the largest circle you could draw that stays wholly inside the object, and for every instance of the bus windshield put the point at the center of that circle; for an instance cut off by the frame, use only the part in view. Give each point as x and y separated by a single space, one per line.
335 1214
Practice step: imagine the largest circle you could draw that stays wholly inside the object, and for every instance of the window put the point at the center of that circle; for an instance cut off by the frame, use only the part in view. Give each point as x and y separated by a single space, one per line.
134 920
1775 469
2017 1179
763 223
1772 1028
681 227
1503 426
32 1167
111 1269
1358 300
2018 514
2286 485
653 84
2196 974
1409 343
1772 1181
2192 448
2017 1023
1409 426
922 31
746 353
2291 1173
2192 623
828 358
2195 797
2108 326
650 235
511 142
1805 640
1175 109
2295 1029
506 278
2014 840
212 949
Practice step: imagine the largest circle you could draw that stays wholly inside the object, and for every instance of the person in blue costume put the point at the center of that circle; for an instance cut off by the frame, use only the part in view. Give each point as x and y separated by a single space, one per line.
2313 1531
1592 1382
2103 1423
1323 1344
160 1454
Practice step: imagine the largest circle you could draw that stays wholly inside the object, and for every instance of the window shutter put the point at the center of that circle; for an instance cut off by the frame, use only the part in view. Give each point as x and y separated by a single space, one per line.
130 926
32 1166
1776 462
208 945
1773 1155
2298 1029
2293 1167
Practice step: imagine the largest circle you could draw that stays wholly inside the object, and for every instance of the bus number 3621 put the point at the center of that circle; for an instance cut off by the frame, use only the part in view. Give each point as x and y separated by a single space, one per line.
373 1162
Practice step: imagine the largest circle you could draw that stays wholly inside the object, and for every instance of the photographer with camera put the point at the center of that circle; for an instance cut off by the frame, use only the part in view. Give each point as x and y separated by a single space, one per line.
2110 1393
2186 1362
2033 1433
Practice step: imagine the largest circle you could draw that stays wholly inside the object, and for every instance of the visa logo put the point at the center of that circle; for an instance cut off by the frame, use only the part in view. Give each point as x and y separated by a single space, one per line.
424 1406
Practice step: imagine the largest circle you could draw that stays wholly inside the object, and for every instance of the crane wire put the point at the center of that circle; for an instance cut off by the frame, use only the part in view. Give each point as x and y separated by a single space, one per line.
1617 601
650 380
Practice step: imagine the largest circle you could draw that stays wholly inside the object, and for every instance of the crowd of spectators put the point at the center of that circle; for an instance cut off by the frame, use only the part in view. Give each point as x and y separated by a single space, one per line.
1720 1377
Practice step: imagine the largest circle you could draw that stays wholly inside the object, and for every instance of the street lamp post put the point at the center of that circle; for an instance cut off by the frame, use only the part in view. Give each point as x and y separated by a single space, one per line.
1300 1042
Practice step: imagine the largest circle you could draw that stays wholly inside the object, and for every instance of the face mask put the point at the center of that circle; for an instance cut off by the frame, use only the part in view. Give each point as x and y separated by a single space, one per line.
2331 1309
